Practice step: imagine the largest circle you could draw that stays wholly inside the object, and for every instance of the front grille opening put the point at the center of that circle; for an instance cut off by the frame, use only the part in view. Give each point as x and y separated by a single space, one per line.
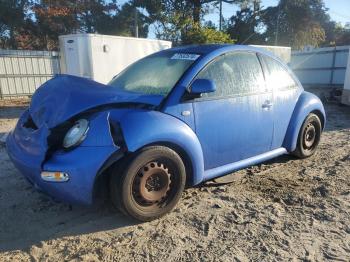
55 138
30 124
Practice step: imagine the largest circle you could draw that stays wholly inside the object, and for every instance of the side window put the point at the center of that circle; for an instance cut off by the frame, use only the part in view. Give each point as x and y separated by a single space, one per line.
278 78
214 72
234 74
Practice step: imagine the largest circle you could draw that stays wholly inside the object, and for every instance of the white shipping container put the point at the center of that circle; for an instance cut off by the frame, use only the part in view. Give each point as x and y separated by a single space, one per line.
101 57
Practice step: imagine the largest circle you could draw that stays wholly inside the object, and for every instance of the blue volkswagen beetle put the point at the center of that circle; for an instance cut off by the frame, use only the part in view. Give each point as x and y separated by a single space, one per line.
175 118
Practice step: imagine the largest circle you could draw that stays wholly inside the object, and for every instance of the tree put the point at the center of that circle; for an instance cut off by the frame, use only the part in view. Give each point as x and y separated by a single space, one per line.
53 18
179 21
123 22
205 35
13 16
295 23
342 35
245 26
37 24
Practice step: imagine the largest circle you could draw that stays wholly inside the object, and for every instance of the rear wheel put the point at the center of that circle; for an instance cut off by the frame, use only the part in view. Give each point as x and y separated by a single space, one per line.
150 184
309 136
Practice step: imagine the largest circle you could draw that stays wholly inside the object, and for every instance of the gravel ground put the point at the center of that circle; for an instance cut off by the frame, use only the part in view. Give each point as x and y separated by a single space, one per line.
286 209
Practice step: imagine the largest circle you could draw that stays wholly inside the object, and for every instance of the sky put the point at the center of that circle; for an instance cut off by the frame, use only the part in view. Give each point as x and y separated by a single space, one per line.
338 10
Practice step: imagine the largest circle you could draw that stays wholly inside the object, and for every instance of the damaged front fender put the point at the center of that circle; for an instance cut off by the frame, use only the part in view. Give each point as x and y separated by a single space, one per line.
84 163
99 134
143 127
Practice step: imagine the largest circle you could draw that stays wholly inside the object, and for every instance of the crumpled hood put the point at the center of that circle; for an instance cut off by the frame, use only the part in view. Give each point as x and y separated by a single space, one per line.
65 96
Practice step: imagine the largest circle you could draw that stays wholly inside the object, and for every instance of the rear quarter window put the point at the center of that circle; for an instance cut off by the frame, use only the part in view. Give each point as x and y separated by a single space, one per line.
277 77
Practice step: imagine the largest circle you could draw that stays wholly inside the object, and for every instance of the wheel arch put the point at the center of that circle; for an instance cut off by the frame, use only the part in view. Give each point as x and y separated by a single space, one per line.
306 104
142 128
117 159
146 128
320 116
186 159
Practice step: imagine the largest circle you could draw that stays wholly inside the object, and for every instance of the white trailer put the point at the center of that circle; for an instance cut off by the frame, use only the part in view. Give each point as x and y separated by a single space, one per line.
101 57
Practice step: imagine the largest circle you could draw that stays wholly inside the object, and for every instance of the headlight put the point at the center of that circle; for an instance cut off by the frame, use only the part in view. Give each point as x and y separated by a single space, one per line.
76 134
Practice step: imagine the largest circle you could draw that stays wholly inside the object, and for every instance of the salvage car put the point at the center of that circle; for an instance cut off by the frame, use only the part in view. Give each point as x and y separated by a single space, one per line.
173 119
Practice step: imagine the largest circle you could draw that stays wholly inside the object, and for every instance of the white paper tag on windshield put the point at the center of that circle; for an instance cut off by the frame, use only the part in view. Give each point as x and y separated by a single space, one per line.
183 56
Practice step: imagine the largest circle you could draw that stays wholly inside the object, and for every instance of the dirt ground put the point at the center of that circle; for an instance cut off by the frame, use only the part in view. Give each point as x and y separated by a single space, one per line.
286 209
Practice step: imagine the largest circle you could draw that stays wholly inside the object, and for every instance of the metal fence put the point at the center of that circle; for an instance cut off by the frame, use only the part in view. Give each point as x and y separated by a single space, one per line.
322 66
22 71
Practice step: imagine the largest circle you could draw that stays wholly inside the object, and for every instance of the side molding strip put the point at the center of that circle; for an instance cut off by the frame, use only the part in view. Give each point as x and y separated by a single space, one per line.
223 170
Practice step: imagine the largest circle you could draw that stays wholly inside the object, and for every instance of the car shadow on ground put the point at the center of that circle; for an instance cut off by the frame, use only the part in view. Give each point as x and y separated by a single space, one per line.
58 220
336 120
28 217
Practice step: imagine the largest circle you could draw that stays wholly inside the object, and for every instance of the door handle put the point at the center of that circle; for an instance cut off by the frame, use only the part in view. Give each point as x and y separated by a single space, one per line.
267 105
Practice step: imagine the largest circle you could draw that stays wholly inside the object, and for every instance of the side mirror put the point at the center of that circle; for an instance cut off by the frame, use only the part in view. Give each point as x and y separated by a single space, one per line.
200 86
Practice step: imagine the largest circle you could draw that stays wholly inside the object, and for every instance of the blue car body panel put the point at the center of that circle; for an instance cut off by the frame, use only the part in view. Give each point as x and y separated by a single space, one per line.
82 164
238 113
80 187
169 131
73 95
216 136
306 104
283 107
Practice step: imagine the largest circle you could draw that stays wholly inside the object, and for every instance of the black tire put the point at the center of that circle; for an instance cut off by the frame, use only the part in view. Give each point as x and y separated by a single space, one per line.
309 136
149 184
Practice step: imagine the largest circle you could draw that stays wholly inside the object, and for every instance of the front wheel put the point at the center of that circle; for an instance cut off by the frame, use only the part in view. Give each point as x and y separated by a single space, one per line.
150 184
309 136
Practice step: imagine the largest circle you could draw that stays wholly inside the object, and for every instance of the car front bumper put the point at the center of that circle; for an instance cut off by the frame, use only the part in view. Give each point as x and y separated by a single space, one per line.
82 164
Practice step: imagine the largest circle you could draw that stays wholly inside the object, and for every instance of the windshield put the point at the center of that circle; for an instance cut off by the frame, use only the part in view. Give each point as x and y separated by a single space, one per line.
156 74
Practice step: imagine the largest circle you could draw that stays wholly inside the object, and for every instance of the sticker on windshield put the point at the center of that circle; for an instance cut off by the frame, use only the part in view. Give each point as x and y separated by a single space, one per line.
183 56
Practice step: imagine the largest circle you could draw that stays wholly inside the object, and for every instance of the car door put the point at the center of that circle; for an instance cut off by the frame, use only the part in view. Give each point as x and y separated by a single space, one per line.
286 92
236 121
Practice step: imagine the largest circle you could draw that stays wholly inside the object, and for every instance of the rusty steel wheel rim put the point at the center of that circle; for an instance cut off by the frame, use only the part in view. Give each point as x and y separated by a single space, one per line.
152 184
309 136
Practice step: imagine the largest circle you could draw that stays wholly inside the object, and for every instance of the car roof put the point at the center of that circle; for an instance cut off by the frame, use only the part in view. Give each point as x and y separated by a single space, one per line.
208 48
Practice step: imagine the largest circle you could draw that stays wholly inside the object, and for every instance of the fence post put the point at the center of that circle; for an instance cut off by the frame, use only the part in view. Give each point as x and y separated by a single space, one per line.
333 65
1 96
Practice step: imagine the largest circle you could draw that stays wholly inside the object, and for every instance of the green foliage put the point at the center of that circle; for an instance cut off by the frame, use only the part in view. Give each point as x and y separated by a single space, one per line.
341 35
205 35
179 21
245 26
123 22
13 17
172 19
296 23
312 35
